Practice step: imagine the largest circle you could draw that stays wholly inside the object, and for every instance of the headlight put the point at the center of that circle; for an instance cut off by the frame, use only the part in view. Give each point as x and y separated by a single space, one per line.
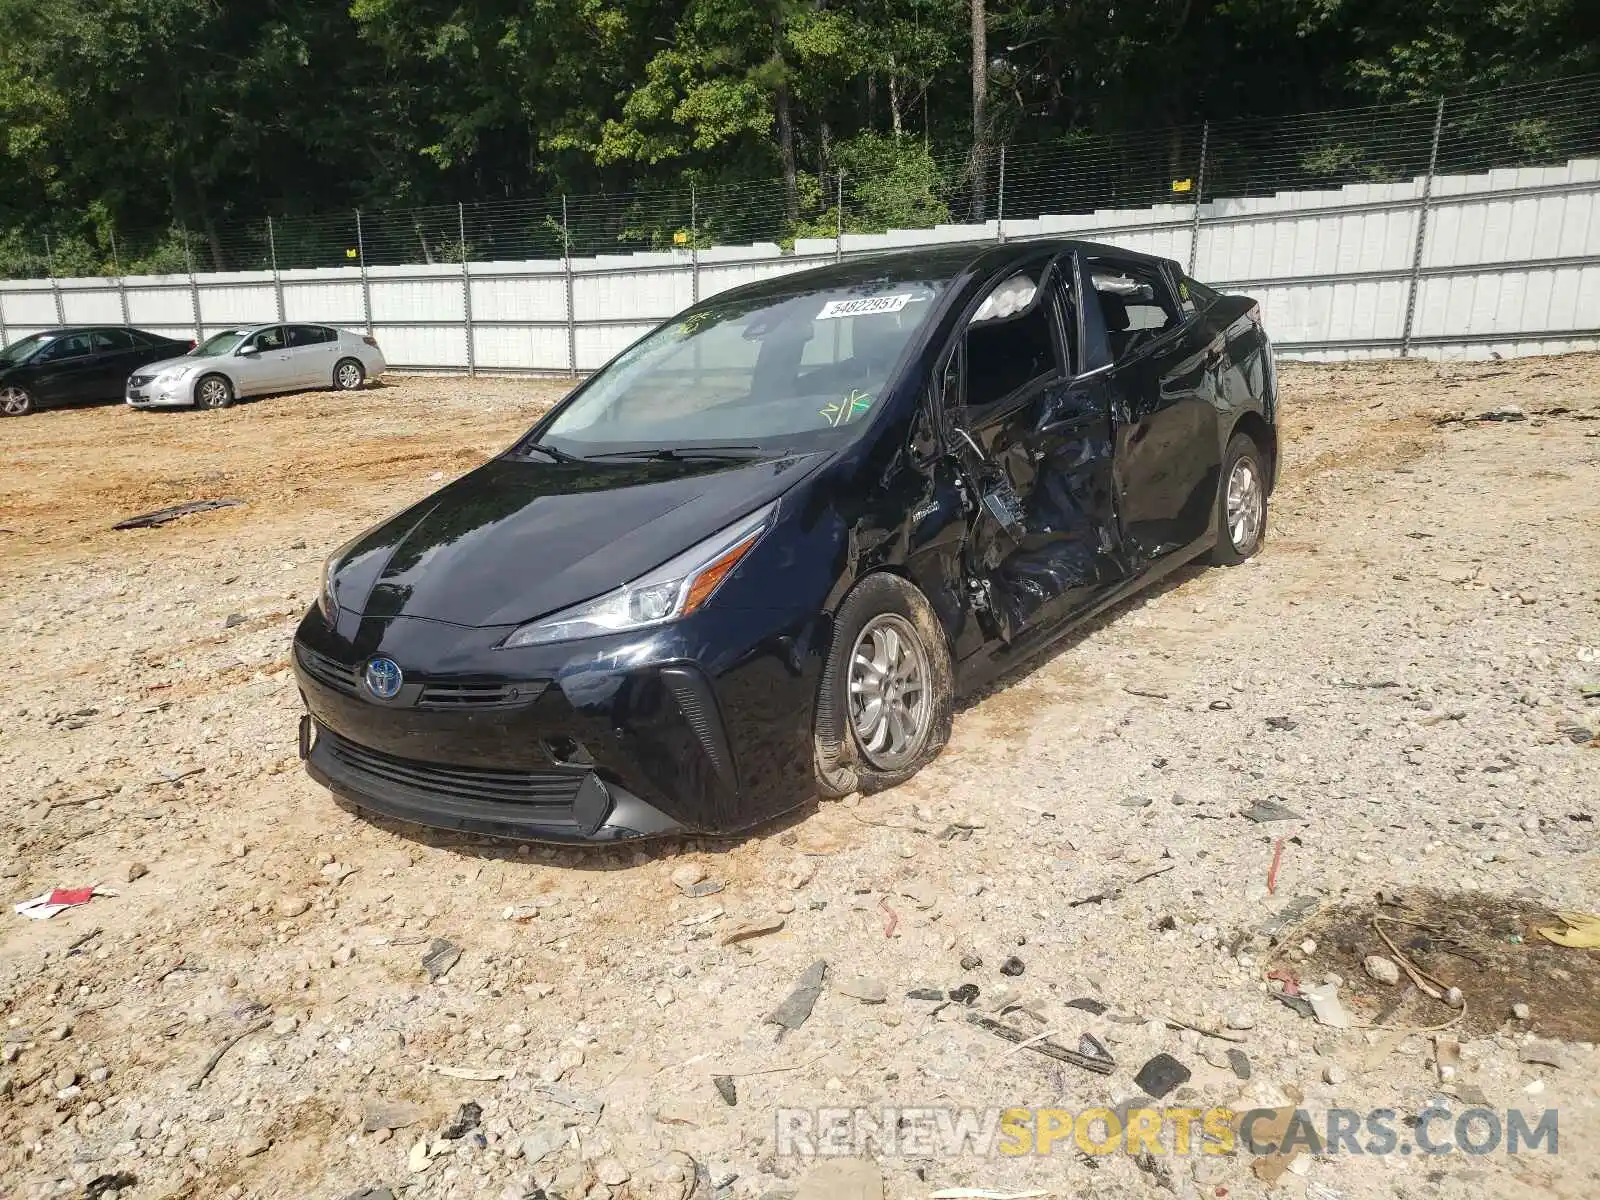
326 603
674 589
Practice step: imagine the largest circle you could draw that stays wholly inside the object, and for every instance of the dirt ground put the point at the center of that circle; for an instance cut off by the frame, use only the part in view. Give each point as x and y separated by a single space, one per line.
1410 671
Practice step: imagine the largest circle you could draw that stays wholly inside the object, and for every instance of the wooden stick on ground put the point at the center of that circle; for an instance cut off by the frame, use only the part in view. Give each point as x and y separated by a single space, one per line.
228 1044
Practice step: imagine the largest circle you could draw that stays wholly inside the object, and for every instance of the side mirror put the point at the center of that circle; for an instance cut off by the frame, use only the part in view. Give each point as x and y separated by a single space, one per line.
249 352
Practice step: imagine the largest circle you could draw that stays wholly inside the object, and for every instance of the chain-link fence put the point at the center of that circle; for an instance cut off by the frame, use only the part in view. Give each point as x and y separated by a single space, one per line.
904 186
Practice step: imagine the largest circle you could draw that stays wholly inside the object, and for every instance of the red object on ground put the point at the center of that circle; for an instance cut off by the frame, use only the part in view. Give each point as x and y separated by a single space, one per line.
71 895
1272 875
894 917
1291 985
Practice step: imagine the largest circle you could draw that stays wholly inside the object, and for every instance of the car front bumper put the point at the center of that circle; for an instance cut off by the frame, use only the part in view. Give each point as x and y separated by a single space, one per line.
616 738
160 395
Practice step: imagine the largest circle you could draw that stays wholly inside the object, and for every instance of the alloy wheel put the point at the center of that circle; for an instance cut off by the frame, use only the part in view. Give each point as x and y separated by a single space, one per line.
14 402
348 376
890 705
1246 505
213 393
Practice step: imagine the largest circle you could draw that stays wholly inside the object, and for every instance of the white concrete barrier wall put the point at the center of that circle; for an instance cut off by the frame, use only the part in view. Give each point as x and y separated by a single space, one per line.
1509 265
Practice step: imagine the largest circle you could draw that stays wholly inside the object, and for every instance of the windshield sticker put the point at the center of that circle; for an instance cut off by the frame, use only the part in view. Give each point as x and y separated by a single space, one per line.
848 409
865 306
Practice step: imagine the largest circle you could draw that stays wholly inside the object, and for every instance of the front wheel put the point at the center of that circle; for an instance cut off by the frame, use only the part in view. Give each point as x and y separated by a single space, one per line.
1241 502
348 375
15 402
213 391
886 701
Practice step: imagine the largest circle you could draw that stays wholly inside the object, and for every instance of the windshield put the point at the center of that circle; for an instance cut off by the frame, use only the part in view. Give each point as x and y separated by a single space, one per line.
21 351
219 343
783 367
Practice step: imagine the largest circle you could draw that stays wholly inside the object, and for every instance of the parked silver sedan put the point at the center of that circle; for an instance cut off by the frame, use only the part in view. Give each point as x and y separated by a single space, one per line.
258 360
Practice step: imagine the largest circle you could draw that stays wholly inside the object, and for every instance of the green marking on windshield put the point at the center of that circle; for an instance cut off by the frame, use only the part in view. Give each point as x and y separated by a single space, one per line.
848 409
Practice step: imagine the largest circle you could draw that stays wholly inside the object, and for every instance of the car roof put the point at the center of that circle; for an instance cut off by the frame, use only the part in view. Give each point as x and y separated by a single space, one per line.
944 262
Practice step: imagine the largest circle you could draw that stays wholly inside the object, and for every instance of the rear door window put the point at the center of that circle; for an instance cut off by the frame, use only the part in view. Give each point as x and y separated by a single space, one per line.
309 335
1136 302
113 341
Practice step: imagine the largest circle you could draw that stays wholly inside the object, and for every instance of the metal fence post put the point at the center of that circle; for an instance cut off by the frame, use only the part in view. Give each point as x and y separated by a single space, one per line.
566 268
122 282
194 289
1199 195
1000 201
466 290
694 245
1422 233
838 222
55 284
366 284
277 280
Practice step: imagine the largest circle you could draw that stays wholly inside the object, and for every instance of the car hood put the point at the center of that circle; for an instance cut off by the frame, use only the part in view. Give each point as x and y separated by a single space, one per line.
516 539
186 361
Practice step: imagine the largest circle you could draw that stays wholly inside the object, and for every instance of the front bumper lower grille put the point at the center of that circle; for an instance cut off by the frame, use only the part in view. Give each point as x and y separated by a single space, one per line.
553 790
559 805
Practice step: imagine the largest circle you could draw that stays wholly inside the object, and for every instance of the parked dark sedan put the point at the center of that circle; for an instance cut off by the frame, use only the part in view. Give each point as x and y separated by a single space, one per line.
754 558
70 366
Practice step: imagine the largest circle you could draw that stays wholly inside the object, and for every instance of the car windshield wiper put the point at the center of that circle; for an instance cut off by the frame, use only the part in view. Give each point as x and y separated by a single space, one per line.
683 453
560 456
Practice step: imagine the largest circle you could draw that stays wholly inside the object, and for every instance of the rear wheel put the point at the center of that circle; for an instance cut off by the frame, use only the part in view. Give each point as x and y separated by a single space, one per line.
15 402
348 375
213 391
886 700
1241 502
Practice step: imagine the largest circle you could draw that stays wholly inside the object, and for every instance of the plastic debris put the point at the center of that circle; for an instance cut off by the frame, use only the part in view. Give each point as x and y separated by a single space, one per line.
796 1008
1161 1075
726 1089
42 908
1269 810
1325 1005
161 516
441 956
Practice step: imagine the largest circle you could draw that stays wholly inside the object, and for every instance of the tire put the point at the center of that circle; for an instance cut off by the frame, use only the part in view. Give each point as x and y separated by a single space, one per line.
1241 502
348 374
15 401
853 750
213 391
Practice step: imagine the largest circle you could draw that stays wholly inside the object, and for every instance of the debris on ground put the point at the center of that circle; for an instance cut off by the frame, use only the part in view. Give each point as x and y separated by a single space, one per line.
1160 1075
1581 932
465 1120
753 929
162 516
726 1089
796 1008
441 956
1325 1004
1042 1044
1269 809
42 908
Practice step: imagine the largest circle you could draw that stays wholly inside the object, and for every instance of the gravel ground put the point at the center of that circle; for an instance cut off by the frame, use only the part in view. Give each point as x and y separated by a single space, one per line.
1403 669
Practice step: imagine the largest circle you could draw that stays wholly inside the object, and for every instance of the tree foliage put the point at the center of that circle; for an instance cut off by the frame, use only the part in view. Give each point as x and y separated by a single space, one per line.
151 133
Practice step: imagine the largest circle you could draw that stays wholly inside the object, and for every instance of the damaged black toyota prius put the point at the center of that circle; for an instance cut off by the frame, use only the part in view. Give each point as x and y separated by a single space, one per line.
754 559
